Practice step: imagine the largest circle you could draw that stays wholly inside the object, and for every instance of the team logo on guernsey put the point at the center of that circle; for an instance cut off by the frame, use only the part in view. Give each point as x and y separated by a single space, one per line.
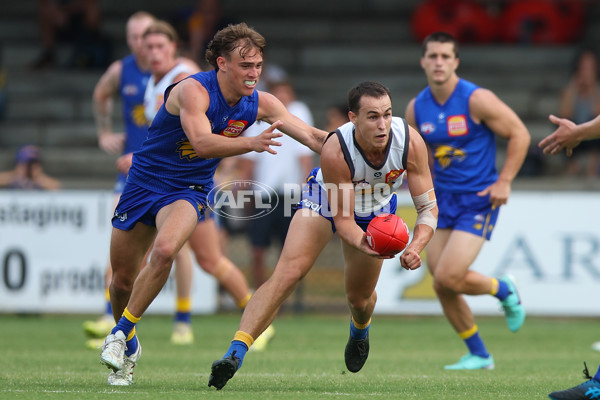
393 175
445 155
457 125
234 128
138 116
427 128
185 150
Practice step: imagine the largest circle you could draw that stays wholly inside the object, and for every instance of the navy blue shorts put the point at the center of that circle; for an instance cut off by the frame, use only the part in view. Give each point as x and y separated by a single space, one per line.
467 212
314 197
138 204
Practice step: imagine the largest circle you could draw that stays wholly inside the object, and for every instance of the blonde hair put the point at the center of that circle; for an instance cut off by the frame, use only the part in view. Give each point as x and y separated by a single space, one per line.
141 15
163 28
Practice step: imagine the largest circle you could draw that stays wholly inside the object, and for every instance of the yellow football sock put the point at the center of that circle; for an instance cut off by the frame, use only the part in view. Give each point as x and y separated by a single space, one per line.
468 333
495 286
360 326
243 337
184 304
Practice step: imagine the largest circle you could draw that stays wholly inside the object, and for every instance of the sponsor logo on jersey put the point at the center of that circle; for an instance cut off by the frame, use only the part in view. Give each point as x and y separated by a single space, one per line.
446 154
234 128
121 216
457 125
427 128
311 205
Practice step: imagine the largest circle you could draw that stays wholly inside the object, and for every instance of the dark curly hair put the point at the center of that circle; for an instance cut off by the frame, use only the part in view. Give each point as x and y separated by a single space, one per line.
238 36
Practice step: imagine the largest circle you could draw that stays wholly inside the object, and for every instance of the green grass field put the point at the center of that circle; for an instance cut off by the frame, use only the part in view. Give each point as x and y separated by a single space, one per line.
44 358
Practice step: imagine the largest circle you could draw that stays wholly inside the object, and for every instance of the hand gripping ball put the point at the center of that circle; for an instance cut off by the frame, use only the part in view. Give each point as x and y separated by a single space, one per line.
387 234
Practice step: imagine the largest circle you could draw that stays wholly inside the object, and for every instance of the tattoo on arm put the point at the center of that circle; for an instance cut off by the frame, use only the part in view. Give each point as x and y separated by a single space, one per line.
102 116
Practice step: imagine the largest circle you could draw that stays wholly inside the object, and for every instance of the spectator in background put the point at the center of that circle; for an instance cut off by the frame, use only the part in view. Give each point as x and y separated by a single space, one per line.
292 165
76 22
336 116
580 102
28 172
271 73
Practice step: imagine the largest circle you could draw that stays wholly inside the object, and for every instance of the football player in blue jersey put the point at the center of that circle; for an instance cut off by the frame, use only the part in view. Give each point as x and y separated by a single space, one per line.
169 183
459 121
128 78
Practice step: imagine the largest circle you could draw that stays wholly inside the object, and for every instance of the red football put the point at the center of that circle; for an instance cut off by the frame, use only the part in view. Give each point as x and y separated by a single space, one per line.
387 234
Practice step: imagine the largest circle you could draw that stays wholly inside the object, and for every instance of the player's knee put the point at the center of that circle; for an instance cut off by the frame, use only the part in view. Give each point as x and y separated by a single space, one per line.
208 259
447 282
360 302
163 253
122 283
288 278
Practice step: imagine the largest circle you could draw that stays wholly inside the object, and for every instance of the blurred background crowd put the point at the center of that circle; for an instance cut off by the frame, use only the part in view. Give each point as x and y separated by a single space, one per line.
539 56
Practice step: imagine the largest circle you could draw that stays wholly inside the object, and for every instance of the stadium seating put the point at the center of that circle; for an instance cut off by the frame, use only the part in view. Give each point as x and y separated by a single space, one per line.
325 46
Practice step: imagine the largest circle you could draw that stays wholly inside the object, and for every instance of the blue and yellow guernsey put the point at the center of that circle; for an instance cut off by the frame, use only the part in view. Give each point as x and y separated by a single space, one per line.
167 160
464 151
132 88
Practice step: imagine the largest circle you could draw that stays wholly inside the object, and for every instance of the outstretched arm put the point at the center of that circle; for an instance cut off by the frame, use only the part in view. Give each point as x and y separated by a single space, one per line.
568 135
270 109
190 100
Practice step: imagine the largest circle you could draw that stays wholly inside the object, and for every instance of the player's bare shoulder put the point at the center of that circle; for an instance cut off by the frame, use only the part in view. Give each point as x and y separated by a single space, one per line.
331 152
188 94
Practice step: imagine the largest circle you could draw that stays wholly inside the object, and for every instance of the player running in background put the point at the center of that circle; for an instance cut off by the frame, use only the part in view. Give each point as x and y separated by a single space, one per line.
128 78
160 52
569 135
459 121
167 190
362 164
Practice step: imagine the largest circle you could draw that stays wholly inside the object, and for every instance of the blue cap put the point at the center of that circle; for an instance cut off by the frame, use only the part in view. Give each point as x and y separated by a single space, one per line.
28 154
